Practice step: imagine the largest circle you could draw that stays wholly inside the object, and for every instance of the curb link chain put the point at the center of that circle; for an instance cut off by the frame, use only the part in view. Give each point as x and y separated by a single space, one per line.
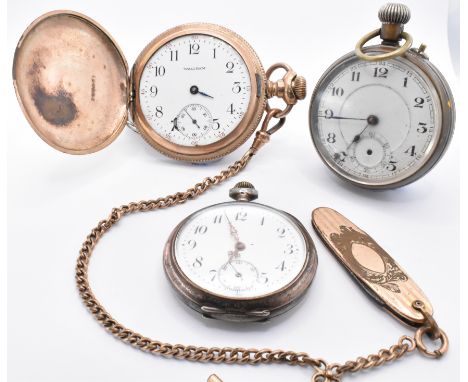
334 372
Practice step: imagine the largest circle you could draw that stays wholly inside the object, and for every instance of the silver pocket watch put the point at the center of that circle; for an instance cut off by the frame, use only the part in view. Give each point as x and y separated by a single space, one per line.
240 260
382 116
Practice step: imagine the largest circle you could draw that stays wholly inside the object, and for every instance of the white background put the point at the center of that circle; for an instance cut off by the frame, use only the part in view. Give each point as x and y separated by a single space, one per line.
55 199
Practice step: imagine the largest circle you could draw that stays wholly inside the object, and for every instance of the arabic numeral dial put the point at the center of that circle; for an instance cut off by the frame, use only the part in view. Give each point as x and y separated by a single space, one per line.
195 90
240 250
375 123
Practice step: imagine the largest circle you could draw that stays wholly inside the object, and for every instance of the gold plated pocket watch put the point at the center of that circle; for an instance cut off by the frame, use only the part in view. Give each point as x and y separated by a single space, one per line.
382 116
195 93
240 261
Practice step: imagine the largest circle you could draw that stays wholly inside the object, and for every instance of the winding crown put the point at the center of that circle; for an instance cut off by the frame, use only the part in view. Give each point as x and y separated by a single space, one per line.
243 191
300 87
394 13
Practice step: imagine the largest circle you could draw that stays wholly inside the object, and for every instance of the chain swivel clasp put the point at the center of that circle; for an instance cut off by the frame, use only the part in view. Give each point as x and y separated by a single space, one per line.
263 135
432 330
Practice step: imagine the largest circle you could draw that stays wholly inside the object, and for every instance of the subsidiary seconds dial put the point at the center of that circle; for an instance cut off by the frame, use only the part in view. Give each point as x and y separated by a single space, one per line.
195 74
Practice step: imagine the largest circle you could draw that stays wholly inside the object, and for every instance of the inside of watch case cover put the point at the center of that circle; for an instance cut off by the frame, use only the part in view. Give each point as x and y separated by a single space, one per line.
72 82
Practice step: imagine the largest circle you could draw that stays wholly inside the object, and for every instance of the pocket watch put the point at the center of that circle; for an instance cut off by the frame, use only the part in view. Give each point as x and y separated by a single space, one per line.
382 116
240 261
195 93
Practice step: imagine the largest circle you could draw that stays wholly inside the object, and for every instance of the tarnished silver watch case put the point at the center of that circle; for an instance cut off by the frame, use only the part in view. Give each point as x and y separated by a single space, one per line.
220 307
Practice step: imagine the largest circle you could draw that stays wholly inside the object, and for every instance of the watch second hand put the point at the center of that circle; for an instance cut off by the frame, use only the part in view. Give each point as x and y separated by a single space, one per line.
194 121
233 254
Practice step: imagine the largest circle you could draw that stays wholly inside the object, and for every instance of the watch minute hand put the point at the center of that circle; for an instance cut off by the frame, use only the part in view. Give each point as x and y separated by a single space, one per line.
337 117
232 229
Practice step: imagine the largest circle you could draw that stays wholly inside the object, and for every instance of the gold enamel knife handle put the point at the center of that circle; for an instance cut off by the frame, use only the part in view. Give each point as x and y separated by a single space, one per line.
375 270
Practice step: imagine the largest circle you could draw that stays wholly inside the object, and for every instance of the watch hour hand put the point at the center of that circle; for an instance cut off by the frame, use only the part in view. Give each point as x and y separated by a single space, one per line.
204 94
372 120
194 90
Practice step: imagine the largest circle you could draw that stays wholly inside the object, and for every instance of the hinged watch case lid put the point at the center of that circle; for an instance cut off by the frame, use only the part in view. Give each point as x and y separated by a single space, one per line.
72 82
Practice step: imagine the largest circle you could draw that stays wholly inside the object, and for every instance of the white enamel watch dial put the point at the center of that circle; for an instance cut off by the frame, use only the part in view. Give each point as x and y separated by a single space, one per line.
240 260
198 92
195 90
380 124
240 249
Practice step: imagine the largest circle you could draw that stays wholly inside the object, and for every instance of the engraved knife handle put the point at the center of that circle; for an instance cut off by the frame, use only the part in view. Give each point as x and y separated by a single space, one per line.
375 270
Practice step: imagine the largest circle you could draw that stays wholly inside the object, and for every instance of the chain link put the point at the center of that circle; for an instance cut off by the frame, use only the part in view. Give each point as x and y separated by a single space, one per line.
405 345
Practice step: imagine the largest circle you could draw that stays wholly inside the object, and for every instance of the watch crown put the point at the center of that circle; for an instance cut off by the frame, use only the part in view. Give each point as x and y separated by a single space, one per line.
244 184
300 87
243 191
394 13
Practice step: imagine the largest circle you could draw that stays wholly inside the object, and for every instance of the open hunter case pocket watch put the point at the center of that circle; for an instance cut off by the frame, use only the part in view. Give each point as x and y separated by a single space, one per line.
382 116
195 93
